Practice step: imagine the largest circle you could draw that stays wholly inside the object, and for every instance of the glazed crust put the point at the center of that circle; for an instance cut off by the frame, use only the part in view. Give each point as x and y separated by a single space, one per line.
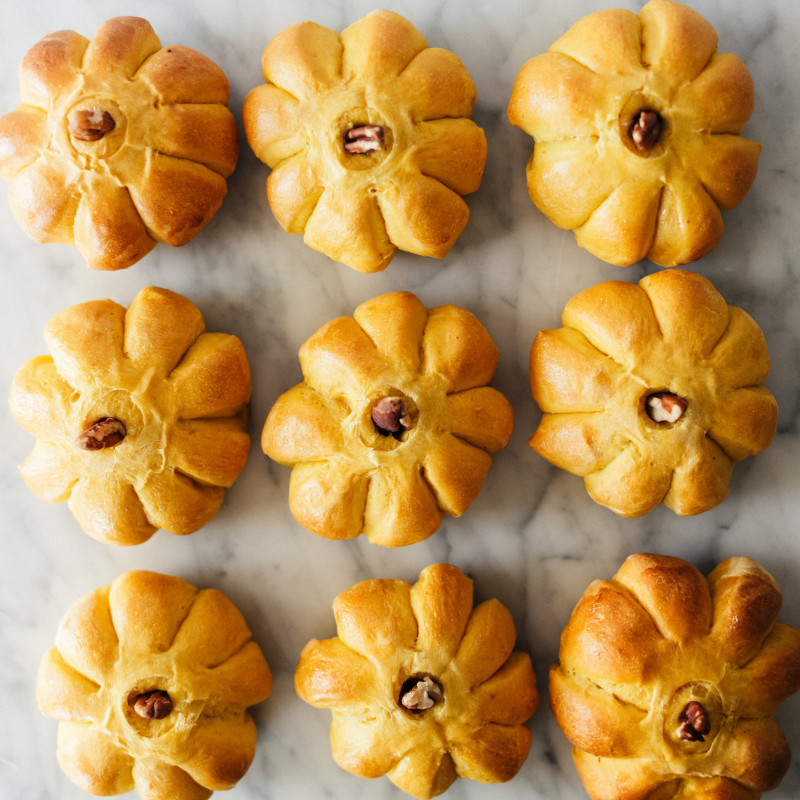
157 176
639 647
360 208
388 632
181 393
347 479
579 101
620 343
150 632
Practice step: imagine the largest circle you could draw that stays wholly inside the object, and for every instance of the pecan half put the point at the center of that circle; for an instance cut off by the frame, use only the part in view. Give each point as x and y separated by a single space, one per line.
420 694
153 705
107 432
693 723
364 139
665 407
89 124
391 416
646 129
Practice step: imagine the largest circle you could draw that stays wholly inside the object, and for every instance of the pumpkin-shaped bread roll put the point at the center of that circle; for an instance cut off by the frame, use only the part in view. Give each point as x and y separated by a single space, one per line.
394 425
636 121
668 682
118 144
150 680
424 689
652 393
140 416
369 139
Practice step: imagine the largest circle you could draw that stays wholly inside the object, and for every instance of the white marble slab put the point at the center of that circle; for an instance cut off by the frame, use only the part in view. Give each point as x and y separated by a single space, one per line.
533 539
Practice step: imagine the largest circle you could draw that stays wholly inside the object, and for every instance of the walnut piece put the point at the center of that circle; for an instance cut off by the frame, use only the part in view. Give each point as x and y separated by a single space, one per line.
153 705
391 416
693 723
665 407
364 139
424 693
646 129
89 124
107 432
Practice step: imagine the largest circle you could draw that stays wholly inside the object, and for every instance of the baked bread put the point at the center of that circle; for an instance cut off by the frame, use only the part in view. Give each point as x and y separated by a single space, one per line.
394 425
636 122
423 688
368 138
668 682
140 416
652 393
149 681
118 144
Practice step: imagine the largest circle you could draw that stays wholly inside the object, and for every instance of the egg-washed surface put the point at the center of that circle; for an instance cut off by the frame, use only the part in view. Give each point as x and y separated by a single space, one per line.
369 139
668 681
394 425
423 688
150 681
119 143
140 416
651 393
637 121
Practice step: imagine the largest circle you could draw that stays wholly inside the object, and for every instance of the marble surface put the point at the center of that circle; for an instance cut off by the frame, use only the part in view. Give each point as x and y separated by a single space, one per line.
533 538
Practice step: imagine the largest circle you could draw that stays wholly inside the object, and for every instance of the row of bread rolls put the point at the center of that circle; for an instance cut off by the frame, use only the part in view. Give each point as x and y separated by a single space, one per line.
666 686
651 393
121 143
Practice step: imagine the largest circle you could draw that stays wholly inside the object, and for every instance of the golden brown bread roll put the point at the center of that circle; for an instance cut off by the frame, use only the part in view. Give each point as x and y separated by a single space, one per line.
150 680
636 122
668 682
140 416
421 375
651 393
118 144
368 138
423 688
